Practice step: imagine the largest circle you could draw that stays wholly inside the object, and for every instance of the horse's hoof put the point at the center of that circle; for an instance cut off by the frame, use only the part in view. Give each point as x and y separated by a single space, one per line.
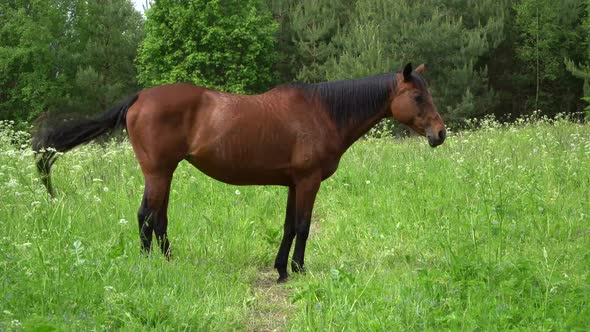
296 268
283 279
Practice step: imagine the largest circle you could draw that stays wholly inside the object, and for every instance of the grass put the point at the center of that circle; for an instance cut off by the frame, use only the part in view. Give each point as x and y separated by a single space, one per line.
490 231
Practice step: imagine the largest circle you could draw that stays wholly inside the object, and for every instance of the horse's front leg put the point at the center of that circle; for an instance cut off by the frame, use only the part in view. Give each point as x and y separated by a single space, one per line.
288 236
306 191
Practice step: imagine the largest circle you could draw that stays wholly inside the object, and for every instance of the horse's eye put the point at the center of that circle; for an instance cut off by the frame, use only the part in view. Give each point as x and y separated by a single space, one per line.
419 99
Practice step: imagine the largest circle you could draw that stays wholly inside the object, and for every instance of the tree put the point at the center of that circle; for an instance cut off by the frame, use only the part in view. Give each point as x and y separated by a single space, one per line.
582 69
285 65
109 34
31 57
66 55
222 44
306 35
314 25
386 34
549 32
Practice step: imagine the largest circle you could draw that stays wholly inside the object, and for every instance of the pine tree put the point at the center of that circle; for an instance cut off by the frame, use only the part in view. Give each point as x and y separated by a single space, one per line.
387 34
306 35
582 70
549 32
315 24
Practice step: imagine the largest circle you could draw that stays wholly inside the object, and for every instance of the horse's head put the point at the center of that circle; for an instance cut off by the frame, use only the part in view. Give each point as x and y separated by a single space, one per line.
412 105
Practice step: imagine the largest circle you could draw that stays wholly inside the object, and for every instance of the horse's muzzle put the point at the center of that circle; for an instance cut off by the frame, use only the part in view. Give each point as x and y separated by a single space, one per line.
436 141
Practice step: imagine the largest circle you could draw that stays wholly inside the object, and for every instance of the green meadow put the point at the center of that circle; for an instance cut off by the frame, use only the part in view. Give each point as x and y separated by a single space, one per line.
489 232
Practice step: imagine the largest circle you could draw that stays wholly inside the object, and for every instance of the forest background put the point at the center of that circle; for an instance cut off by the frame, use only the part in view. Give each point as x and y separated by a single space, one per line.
484 57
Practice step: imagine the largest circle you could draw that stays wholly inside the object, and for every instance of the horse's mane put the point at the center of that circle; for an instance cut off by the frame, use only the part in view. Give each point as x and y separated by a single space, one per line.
354 99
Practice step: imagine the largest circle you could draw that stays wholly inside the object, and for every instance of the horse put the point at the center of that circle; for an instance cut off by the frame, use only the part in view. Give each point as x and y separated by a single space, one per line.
293 135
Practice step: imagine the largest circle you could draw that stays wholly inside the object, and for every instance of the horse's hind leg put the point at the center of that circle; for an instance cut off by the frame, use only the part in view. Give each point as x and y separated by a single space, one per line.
145 224
153 212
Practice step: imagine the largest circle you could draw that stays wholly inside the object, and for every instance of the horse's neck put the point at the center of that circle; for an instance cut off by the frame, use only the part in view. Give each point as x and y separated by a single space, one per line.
354 105
354 130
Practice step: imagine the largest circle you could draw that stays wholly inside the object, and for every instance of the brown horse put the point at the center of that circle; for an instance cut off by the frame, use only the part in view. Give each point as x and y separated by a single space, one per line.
293 136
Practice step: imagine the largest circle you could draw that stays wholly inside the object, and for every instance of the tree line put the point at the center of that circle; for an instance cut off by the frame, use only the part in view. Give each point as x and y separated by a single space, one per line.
501 57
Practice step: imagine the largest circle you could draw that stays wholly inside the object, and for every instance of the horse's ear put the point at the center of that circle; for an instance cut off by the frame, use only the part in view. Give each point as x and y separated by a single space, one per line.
420 69
408 72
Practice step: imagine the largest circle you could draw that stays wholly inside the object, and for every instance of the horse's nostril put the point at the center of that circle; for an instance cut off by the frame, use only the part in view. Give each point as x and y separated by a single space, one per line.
442 135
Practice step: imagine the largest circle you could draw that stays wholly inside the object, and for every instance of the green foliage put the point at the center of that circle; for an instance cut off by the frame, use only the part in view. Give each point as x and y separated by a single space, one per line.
387 34
287 56
67 55
550 31
582 70
478 53
487 232
341 39
227 45
483 57
31 55
587 108
306 35
109 32
315 25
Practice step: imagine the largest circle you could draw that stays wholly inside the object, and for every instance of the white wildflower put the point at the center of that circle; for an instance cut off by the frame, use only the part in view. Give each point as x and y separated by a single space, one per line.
238 192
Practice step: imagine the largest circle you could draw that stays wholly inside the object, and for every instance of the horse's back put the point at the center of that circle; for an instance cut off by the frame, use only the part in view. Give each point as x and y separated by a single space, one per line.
169 98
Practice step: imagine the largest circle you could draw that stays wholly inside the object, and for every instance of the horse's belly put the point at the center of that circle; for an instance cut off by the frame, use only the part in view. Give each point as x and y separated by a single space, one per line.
241 173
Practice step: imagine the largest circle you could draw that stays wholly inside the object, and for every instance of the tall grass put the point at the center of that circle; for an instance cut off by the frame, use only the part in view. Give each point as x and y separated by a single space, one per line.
490 231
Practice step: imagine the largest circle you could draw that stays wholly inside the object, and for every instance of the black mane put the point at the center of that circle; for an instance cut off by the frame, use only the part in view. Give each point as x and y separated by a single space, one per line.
355 99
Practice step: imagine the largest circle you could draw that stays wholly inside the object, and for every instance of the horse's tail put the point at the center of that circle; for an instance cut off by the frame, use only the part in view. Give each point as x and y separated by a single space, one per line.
63 137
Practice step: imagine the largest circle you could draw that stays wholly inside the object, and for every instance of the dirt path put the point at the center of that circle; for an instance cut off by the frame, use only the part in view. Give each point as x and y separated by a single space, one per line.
272 305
